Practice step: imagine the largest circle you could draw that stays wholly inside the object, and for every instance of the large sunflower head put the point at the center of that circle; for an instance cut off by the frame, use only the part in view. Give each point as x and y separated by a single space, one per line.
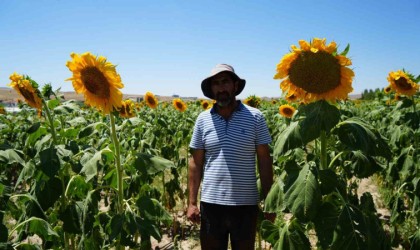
98 80
179 104
401 82
28 89
315 72
150 100
127 108
287 110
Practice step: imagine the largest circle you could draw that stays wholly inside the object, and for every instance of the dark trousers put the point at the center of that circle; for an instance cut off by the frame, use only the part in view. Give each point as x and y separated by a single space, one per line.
219 222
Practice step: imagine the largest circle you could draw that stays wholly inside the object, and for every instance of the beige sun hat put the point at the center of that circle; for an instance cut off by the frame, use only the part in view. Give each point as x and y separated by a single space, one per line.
219 68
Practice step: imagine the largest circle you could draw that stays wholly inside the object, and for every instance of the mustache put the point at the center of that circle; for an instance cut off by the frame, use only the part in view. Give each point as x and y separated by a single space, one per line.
222 93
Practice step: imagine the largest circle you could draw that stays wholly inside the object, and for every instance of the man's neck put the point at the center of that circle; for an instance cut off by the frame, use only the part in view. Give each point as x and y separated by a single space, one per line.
228 110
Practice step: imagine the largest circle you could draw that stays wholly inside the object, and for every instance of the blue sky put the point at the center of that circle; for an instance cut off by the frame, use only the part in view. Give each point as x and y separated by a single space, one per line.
168 47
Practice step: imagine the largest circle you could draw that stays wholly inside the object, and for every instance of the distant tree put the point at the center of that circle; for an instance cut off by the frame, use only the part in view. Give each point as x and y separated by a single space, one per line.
372 94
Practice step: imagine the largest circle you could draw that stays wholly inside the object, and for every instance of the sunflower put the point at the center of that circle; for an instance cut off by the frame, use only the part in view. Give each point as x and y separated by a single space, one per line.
98 80
287 110
28 89
315 72
2 110
151 100
127 108
402 83
205 104
388 89
179 104
253 101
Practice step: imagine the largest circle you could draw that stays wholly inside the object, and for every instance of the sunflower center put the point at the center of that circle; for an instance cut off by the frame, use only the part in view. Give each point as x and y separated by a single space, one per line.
95 82
403 84
315 72
151 100
288 111
179 105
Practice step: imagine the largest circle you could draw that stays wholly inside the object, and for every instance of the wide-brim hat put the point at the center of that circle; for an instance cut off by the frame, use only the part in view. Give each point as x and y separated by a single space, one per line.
219 68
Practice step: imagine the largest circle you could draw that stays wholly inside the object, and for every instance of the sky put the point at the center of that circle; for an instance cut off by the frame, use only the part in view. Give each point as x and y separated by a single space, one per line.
169 47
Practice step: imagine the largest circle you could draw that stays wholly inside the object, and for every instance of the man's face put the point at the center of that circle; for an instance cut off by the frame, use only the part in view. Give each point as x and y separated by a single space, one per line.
223 88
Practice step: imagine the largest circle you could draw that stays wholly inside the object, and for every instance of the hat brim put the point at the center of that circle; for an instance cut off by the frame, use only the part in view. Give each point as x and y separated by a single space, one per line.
206 84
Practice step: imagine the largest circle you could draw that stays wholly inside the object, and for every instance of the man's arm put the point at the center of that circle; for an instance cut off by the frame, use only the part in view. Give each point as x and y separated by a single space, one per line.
195 171
265 168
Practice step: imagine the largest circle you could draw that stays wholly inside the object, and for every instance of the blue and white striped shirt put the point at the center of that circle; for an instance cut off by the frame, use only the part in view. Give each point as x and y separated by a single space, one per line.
230 154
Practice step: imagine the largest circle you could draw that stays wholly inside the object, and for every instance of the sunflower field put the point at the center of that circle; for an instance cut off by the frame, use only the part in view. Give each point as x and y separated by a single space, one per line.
109 173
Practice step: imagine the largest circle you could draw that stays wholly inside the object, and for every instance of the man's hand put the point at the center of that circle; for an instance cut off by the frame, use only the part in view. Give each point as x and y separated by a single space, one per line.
193 213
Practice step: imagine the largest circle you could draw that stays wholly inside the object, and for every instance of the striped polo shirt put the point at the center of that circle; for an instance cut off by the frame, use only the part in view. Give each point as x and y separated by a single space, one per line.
230 154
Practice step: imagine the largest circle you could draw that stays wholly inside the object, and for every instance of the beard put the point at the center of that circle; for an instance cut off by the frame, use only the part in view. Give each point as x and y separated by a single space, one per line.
223 99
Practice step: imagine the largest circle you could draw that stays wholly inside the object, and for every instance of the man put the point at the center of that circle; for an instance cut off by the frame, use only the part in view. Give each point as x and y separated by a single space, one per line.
225 143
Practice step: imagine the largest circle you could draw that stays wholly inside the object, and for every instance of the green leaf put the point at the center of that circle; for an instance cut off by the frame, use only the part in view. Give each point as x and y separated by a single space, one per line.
363 166
376 237
89 211
48 192
152 213
304 196
37 226
330 182
150 165
78 121
152 210
26 173
117 223
290 138
415 240
77 188
33 128
11 156
90 164
318 116
33 137
71 218
340 225
405 162
90 129
53 103
270 232
346 50
67 107
33 208
358 135
274 201
3 234
292 236
50 163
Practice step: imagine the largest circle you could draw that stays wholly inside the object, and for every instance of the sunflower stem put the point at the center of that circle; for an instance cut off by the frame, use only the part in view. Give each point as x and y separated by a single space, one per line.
118 164
323 150
50 120
119 171
54 136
